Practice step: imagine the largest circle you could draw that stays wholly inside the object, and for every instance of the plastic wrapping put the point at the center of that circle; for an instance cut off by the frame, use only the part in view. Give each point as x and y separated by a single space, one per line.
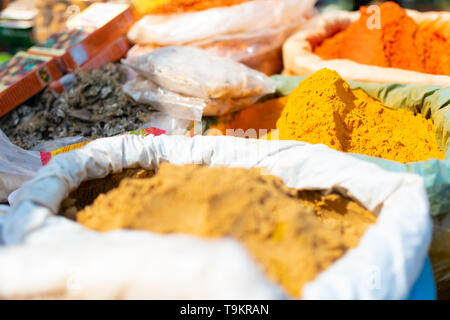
171 103
299 59
197 73
430 101
169 124
246 18
16 166
228 32
260 51
433 102
384 265
179 106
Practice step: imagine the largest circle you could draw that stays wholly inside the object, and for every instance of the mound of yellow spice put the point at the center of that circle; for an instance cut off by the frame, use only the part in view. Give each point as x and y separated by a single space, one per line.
323 109
294 235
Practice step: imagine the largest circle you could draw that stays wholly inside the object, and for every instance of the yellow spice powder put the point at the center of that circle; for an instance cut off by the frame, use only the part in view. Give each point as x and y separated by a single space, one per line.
323 109
293 235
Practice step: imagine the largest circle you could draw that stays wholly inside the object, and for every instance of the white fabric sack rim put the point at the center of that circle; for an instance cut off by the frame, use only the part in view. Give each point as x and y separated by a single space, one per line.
384 265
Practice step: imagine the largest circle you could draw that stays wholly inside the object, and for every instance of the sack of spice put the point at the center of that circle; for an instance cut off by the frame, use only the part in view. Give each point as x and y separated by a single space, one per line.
382 44
400 236
250 32
94 107
433 103
188 82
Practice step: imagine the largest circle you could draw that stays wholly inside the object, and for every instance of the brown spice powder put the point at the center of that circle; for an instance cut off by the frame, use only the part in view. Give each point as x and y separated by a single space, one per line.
294 235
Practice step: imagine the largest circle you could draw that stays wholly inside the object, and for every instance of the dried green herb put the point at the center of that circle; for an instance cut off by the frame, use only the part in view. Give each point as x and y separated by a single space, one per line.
94 107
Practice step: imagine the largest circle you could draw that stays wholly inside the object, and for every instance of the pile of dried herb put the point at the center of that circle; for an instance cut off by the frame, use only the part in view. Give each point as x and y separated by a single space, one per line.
94 107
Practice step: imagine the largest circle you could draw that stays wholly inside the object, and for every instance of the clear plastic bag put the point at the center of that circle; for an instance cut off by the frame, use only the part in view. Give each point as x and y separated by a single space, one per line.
171 125
257 45
171 103
16 166
248 17
180 106
198 73
51 145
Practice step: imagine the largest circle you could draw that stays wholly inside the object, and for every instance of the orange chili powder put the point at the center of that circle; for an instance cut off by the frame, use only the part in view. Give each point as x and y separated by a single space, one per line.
399 43
179 6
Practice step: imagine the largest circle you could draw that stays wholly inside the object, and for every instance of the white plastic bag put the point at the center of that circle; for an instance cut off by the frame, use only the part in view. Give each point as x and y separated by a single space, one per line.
180 106
198 73
16 166
246 18
165 101
384 265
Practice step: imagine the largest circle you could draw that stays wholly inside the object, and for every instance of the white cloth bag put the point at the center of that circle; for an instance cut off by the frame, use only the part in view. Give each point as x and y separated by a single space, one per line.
135 264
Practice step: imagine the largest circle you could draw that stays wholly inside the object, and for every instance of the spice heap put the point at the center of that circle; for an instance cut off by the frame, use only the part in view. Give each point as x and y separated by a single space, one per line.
398 43
293 234
179 6
95 107
323 109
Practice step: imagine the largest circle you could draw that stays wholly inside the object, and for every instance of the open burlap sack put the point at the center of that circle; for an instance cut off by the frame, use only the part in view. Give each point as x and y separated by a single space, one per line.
299 59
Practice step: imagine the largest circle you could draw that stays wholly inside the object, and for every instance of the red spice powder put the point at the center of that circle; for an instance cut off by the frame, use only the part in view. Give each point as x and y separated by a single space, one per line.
399 43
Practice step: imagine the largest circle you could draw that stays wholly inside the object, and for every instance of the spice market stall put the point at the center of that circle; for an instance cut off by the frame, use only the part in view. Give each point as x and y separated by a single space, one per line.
154 149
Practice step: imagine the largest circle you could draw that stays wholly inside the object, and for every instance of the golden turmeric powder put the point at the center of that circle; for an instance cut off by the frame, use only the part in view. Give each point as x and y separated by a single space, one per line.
323 109
294 235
